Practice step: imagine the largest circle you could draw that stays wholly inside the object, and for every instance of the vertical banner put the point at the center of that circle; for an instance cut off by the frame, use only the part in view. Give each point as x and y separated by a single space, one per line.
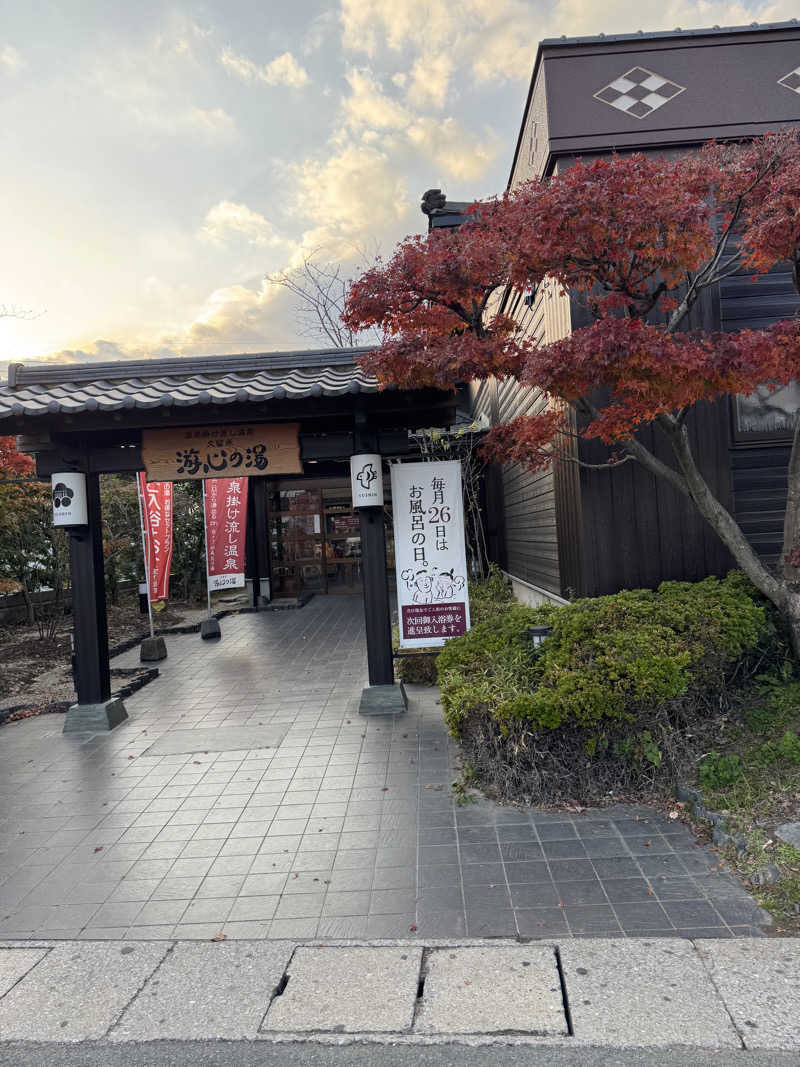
430 554
156 500
226 526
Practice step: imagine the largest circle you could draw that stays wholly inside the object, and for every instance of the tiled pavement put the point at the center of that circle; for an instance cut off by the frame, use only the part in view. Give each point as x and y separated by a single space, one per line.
347 830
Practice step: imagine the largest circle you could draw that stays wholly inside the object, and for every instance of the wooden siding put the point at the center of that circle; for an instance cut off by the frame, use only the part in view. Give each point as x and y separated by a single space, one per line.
759 470
638 530
480 399
759 485
531 539
536 545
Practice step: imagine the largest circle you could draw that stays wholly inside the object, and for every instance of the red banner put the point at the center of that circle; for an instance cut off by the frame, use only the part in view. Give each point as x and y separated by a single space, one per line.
226 525
157 512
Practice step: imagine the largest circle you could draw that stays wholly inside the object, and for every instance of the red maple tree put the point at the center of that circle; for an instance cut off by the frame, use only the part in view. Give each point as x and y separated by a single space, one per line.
13 464
638 240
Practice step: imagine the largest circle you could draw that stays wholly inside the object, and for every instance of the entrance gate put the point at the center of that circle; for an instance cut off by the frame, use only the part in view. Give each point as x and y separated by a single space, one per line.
89 419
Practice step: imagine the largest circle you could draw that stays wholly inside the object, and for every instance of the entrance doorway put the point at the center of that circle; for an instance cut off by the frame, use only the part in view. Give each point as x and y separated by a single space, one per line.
315 537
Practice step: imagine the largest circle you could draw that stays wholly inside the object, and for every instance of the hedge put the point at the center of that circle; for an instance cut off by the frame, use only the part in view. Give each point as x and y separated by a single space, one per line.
608 701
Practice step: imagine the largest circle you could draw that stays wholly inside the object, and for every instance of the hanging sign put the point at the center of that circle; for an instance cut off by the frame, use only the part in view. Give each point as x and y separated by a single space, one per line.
157 517
430 554
221 451
69 499
366 479
225 501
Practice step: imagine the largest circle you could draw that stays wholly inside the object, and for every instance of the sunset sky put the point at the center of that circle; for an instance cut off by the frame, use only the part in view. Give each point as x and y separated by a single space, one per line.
159 162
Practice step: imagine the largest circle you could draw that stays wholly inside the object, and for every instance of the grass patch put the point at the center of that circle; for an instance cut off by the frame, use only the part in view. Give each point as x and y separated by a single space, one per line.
781 899
753 772
752 776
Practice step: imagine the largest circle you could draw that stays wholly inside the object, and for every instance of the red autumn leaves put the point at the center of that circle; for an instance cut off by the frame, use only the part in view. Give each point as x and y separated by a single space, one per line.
626 234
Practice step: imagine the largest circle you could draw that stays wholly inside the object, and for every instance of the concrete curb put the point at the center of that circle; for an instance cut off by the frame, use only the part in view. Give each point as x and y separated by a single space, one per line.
614 993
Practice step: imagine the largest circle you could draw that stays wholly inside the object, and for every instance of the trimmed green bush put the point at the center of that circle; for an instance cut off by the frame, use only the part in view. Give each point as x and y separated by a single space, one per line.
612 685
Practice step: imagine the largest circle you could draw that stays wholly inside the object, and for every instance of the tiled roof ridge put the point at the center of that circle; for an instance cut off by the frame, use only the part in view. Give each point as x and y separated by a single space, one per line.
21 374
650 35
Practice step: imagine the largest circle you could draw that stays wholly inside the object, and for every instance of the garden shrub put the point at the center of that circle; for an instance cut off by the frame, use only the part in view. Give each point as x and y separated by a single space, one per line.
717 771
608 700
415 669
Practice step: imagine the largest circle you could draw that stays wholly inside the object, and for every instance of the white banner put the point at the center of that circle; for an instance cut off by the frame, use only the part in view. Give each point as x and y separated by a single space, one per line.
430 555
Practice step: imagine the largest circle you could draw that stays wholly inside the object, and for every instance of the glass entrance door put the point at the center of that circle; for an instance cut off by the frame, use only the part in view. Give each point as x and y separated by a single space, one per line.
315 537
342 540
297 541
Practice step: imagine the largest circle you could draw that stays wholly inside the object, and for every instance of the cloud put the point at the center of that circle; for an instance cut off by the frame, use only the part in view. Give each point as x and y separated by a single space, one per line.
368 105
227 219
159 85
368 111
318 32
214 122
445 36
356 190
283 70
241 316
430 80
461 154
11 61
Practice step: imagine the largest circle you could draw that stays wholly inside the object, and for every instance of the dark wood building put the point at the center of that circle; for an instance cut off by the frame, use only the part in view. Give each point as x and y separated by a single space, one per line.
574 531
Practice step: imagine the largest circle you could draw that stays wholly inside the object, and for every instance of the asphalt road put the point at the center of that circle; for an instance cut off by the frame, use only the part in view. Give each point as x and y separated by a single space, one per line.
306 1054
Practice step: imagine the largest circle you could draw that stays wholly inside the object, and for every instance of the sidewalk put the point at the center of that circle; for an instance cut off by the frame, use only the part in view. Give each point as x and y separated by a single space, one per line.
620 993
246 796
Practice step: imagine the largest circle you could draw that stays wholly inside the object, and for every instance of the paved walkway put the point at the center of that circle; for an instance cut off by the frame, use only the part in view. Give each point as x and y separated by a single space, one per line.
179 826
721 995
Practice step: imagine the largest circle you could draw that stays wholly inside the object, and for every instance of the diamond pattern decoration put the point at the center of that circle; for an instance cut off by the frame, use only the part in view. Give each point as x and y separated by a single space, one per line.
639 92
791 80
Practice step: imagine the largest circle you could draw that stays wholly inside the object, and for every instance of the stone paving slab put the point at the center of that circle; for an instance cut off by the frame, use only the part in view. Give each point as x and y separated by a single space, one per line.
78 992
15 964
760 984
216 990
348 990
643 992
492 991
348 828
217 739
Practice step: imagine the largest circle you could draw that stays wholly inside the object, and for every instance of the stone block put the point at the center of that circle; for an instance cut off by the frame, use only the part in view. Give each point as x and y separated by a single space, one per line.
212 990
348 990
91 718
790 833
15 964
504 990
209 629
636 993
78 992
152 649
759 980
383 700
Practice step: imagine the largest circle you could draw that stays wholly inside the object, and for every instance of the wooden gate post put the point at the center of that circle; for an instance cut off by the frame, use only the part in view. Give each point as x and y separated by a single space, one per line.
382 697
95 710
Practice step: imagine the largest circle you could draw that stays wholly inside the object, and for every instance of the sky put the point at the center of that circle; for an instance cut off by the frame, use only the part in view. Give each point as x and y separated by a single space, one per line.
161 164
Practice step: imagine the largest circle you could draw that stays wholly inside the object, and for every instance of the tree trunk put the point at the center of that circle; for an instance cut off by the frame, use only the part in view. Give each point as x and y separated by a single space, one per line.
29 605
791 526
785 598
792 614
